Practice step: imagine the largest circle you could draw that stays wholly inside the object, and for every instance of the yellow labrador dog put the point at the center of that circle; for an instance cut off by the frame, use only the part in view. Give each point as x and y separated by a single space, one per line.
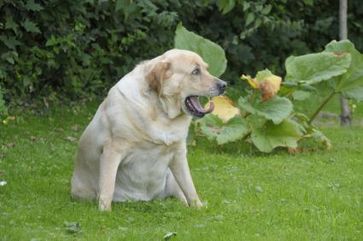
135 146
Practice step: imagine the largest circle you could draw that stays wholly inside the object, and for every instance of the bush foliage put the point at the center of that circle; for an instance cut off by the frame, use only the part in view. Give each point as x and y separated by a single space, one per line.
77 47
80 48
265 116
268 120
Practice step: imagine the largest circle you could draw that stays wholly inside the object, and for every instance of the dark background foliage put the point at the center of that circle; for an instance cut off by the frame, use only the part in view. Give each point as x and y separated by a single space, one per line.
76 49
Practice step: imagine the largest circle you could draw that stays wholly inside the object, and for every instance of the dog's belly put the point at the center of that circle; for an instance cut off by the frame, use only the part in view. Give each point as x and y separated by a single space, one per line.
142 174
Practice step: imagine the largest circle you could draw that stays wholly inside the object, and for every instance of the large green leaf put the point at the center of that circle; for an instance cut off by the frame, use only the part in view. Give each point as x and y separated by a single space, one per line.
301 95
270 136
211 52
317 67
214 128
356 93
352 81
276 109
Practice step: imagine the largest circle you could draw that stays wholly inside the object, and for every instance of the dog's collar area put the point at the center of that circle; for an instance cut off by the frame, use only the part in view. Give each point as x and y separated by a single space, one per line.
194 107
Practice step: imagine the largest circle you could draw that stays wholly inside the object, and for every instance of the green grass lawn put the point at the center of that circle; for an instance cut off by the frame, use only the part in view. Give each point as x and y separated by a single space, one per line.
250 196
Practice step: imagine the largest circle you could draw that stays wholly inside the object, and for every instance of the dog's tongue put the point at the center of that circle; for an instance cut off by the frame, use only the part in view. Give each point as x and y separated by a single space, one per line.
198 107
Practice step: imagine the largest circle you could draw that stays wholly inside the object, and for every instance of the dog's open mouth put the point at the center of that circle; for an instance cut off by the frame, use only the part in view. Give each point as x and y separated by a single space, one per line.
195 108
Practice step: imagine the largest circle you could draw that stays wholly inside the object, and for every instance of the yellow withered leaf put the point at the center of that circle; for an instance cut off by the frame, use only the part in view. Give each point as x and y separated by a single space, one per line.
266 82
223 108
270 86
251 81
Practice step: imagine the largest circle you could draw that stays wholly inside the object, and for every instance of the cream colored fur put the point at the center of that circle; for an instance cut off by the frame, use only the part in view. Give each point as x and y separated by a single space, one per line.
135 146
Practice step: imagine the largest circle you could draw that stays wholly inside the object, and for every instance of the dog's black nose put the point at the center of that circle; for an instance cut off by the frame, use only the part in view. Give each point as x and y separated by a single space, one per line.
221 86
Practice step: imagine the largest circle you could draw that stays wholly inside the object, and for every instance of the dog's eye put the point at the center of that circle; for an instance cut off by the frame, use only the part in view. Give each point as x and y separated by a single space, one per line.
196 71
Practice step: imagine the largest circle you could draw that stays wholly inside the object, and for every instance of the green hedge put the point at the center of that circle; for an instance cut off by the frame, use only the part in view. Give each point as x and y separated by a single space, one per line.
2 104
258 34
80 48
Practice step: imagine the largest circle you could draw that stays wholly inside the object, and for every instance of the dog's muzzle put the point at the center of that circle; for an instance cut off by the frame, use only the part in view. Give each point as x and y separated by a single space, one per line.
221 86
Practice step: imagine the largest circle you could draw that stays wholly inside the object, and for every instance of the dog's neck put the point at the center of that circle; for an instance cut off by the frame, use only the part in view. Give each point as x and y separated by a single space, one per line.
171 106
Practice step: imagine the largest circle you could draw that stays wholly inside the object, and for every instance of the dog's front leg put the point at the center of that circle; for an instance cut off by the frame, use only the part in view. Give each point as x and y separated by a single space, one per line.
109 162
180 169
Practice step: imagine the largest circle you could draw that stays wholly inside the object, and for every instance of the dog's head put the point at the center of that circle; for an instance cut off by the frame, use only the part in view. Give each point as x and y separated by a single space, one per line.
180 77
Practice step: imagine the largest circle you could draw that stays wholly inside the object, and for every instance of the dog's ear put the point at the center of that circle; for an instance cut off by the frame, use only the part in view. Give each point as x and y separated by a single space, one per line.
159 72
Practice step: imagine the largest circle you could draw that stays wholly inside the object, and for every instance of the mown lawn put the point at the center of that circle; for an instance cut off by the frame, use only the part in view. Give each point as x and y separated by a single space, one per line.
315 195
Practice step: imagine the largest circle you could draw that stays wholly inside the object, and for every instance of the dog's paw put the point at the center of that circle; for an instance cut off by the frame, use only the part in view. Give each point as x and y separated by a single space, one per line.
196 203
104 205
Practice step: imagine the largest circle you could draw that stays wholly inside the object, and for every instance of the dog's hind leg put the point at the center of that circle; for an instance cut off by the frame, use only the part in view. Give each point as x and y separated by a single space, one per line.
82 190
83 184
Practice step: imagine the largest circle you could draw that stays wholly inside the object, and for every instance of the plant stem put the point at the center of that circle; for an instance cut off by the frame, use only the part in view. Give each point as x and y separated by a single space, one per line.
326 100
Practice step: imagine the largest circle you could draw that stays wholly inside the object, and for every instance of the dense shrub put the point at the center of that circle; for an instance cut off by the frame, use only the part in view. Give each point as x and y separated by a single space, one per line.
260 33
77 47
2 104
80 48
